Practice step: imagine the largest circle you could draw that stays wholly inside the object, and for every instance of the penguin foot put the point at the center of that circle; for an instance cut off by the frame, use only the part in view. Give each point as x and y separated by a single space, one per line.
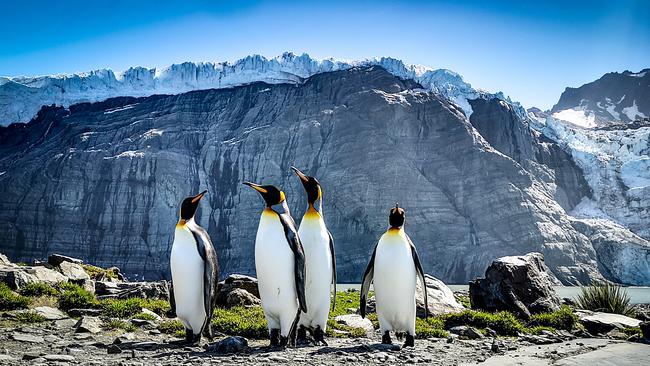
301 337
385 339
189 336
319 336
284 341
410 341
275 338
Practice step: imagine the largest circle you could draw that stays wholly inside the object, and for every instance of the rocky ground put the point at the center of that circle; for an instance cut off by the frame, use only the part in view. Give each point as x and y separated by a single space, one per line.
57 343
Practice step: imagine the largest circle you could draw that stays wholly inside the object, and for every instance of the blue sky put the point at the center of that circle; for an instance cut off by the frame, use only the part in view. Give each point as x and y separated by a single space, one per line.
529 51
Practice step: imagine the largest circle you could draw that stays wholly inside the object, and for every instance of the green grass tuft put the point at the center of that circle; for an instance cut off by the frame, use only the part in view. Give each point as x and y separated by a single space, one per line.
97 272
246 322
10 300
126 308
116 324
29 317
145 316
504 323
75 297
633 331
37 289
432 327
606 297
562 319
174 327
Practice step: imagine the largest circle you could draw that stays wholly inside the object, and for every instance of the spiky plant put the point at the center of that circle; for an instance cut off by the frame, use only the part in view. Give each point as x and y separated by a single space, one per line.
606 297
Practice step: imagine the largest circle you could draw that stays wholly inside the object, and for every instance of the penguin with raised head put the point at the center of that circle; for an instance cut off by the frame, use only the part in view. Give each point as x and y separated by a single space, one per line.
319 257
195 273
394 268
280 267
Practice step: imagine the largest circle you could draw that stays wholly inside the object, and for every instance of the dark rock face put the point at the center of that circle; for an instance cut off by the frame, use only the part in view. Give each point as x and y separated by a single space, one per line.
615 91
520 284
103 181
498 123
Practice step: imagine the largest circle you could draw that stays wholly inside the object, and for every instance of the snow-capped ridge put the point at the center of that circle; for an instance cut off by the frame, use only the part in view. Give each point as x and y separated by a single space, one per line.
21 97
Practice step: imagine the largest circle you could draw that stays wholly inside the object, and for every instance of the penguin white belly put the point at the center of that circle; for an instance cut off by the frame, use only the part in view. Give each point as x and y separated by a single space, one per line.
318 261
394 283
187 278
274 263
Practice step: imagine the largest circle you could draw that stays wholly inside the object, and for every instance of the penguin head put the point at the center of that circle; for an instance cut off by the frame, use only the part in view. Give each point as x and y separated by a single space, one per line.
396 217
311 185
271 194
189 206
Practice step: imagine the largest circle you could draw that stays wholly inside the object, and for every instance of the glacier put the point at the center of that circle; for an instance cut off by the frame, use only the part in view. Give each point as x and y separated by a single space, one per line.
22 97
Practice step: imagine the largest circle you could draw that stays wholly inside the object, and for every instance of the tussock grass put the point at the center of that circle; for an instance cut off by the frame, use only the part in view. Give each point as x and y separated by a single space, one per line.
37 289
606 297
126 308
144 316
75 297
10 300
29 317
504 323
247 322
174 327
116 324
562 319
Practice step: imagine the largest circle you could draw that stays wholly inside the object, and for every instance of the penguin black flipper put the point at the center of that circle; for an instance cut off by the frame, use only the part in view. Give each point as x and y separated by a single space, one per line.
210 274
420 274
172 303
366 281
333 268
291 233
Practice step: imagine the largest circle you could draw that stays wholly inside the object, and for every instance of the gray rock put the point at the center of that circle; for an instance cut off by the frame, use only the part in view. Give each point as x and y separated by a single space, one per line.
50 313
123 290
599 323
73 271
89 324
645 331
356 321
241 297
229 345
441 298
151 313
5 262
56 260
234 282
59 358
466 332
29 338
31 356
17 277
520 284
113 349
84 312
6 358
478 202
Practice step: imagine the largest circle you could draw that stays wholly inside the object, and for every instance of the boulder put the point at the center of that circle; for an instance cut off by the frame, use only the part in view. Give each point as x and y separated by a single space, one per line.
241 297
356 321
50 313
73 271
4 261
229 345
89 324
441 298
18 276
236 281
645 331
520 284
466 332
56 260
601 323
123 290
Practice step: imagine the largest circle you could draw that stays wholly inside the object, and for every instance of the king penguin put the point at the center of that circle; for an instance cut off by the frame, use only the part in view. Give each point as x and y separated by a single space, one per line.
319 258
394 266
280 267
195 273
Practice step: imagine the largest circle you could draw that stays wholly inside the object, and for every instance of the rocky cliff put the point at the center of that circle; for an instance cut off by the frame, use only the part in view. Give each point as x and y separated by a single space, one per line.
103 181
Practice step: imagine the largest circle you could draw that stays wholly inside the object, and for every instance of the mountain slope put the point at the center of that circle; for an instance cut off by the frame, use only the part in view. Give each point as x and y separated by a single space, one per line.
615 97
103 180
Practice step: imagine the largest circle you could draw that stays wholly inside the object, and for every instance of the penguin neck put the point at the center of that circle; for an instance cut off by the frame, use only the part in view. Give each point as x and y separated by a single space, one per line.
314 209
280 208
184 223
395 230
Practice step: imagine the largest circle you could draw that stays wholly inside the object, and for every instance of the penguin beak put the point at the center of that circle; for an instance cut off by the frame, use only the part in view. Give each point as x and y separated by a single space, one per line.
198 197
300 174
256 187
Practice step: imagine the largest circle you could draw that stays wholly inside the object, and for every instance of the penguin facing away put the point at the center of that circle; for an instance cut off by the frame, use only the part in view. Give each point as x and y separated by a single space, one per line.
321 261
393 268
280 267
195 273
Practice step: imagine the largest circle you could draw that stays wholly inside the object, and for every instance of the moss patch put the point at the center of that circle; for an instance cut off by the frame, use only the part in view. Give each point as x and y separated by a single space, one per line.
116 324
10 300
504 323
37 289
145 316
75 297
96 272
242 321
126 308
562 319
29 317
174 327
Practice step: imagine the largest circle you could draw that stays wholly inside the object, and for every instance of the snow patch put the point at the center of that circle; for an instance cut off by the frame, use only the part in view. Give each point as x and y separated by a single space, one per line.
127 154
152 133
633 112
120 109
577 116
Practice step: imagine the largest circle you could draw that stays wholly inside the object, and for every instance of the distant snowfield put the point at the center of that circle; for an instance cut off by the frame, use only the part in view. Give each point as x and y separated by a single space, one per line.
577 116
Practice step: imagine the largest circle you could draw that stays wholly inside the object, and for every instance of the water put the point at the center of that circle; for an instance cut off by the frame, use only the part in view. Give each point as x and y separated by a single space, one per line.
638 295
